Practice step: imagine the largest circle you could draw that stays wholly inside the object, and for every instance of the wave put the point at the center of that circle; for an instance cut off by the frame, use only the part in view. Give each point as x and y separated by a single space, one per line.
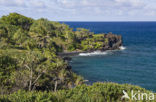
100 52
122 48
94 53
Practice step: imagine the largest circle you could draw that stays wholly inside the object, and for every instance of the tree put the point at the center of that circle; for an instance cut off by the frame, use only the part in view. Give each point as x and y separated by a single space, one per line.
32 68
42 27
82 33
7 32
20 37
7 66
17 20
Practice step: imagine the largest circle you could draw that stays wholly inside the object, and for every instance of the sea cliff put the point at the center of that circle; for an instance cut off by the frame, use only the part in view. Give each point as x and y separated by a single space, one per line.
106 42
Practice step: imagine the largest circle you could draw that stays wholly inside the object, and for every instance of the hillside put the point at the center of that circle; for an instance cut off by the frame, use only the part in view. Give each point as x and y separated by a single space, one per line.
30 61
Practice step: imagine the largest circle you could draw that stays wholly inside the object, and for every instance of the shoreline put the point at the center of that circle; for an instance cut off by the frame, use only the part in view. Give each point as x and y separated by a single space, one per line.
75 53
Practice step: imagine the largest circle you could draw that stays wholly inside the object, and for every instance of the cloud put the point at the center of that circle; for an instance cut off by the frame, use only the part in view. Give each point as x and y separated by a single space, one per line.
37 4
12 3
23 3
131 3
82 9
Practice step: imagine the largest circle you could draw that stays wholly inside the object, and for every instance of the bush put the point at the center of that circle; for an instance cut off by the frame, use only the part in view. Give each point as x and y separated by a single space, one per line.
98 92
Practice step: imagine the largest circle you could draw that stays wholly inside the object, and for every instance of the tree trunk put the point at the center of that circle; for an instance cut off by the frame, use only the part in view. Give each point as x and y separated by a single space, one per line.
30 82
55 88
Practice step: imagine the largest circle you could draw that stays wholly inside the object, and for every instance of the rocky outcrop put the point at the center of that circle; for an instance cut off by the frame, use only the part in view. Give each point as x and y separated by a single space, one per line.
114 42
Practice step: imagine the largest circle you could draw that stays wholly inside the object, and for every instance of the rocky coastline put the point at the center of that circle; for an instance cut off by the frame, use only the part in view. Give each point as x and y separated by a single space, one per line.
114 43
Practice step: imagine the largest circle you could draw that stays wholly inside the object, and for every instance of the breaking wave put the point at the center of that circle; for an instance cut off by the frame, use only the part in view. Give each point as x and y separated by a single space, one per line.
94 53
100 52
122 48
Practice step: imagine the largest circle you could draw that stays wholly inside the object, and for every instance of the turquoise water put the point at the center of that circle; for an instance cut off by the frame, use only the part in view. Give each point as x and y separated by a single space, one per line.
135 65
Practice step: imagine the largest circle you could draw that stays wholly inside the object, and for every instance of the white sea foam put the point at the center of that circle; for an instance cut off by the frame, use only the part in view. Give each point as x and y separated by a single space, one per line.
101 52
93 53
122 48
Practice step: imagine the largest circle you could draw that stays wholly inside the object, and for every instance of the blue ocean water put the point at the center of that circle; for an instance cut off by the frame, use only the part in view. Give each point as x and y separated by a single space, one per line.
135 65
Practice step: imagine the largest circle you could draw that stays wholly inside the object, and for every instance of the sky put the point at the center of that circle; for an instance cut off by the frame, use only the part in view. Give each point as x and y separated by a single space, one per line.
82 10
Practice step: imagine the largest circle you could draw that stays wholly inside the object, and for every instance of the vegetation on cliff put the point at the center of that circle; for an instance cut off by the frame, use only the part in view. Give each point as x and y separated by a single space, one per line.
30 64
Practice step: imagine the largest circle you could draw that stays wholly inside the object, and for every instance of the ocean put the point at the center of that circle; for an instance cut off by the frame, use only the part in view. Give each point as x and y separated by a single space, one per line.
134 64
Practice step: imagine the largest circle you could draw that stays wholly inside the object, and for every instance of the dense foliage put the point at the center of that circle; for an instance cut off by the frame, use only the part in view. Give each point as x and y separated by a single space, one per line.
28 55
17 31
31 69
98 92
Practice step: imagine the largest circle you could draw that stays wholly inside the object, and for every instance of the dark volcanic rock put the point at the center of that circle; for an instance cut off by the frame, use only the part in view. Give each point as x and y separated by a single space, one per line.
67 58
114 41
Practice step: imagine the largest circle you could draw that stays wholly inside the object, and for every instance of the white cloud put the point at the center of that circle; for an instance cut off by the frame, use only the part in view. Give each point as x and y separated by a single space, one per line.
37 3
23 3
82 9
12 3
130 3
